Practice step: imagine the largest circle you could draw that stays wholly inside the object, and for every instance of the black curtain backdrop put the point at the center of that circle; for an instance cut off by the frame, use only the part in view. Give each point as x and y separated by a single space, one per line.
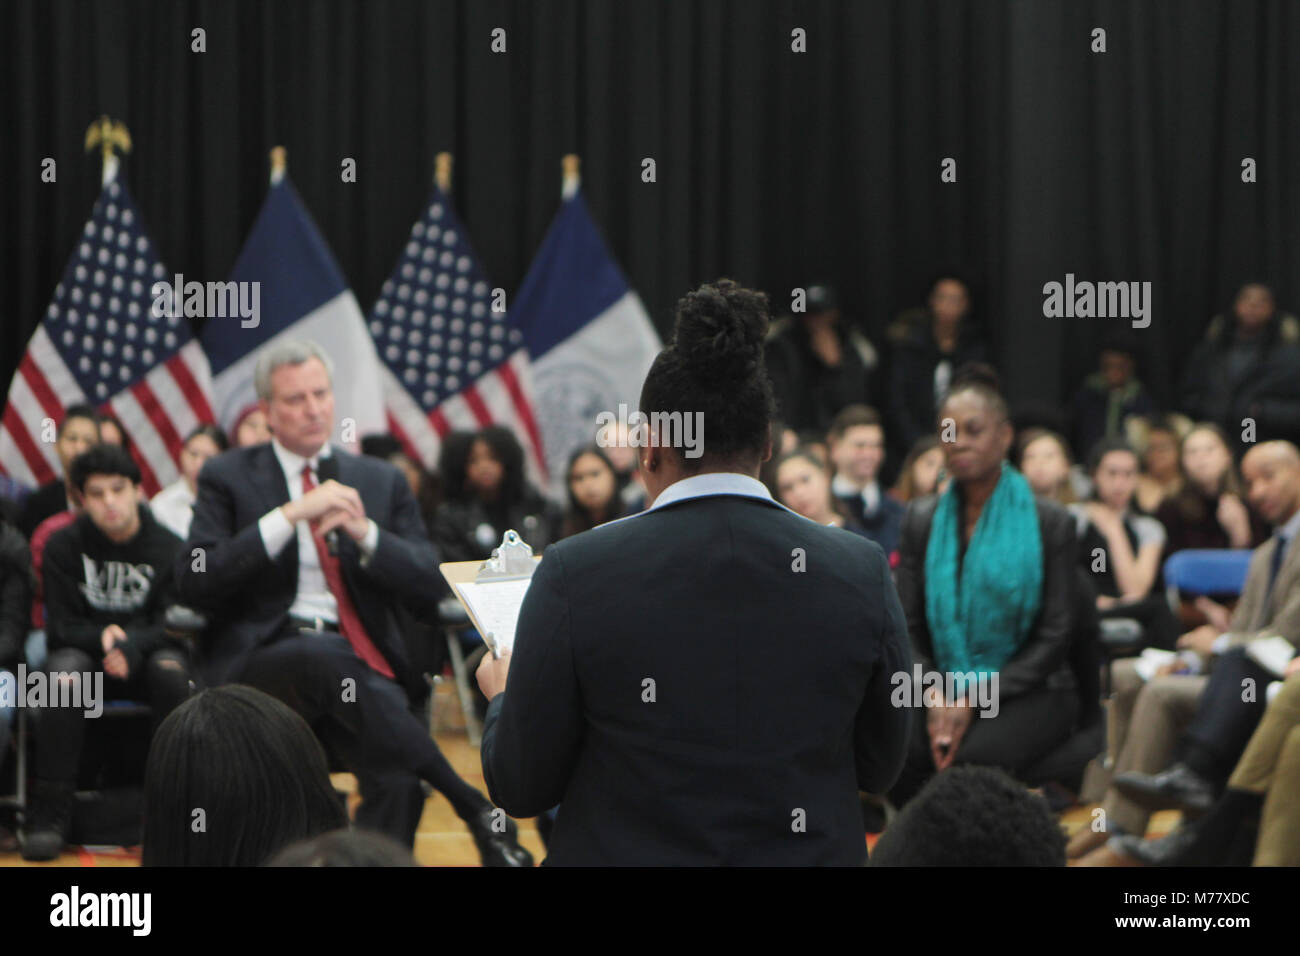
774 167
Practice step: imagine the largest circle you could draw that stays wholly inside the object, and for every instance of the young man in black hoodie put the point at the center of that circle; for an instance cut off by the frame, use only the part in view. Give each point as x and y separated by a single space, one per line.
108 583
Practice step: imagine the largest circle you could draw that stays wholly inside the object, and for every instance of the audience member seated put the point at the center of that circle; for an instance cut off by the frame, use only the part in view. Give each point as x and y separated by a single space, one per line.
1262 796
1121 549
78 431
595 491
784 441
250 428
174 505
111 432
928 345
108 584
972 816
922 472
234 777
307 548
15 598
345 848
1159 441
1043 457
1109 397
818 363
1245 368
803 486
1201 724
857 450
622 456
488 495
987 580
426 485
1207 512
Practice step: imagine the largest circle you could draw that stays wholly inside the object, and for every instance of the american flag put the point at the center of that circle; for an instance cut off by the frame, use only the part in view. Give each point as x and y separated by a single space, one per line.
450 361
100 343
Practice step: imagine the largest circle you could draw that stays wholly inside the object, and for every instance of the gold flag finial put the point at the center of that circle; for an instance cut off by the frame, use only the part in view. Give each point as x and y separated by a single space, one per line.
108 135
569 165
279 163
442 171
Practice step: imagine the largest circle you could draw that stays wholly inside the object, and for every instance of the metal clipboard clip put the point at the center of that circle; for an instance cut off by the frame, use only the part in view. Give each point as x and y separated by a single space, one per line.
511 560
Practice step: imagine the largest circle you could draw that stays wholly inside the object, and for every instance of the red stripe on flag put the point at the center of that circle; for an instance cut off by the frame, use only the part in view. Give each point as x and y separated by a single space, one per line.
41 388
158 415
396 430
40 468
524 409
189 387
439 422
148 480
476 405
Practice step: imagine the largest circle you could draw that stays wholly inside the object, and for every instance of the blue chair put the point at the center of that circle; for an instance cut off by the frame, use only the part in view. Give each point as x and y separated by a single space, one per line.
1210 572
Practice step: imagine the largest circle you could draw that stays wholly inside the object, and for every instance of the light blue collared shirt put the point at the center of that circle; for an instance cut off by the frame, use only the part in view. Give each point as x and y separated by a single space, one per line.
714 483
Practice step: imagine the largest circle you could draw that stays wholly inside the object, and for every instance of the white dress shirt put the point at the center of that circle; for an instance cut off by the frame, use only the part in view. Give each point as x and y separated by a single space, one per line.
841 487
174 507
314 598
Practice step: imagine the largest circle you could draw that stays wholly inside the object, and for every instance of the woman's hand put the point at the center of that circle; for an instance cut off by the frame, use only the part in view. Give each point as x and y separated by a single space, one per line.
947 726
1234 519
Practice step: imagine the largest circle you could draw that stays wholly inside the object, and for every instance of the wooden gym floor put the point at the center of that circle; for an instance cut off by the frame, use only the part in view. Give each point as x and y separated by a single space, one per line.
442 839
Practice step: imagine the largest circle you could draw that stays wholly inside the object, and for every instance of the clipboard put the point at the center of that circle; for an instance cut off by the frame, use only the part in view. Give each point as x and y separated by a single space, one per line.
492 591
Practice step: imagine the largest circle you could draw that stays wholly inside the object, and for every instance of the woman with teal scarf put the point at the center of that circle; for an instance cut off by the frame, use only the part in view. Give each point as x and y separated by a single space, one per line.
987 579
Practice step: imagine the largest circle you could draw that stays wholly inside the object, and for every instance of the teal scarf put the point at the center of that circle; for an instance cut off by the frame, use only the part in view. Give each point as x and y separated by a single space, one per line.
981 616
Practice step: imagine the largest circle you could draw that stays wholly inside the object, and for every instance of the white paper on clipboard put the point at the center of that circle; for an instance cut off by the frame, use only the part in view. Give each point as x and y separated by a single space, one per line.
495 606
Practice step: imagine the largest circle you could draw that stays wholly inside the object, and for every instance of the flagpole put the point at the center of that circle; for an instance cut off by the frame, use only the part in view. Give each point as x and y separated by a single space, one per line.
279 163
569 166
108 135
442 172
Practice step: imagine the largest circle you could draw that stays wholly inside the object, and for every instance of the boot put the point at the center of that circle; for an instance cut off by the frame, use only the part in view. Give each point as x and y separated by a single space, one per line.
47 821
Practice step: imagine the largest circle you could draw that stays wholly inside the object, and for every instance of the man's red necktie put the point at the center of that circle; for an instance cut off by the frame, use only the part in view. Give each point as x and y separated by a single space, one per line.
350 625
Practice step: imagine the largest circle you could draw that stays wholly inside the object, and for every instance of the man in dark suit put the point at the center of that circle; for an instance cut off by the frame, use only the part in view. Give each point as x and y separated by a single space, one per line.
298 552
707 682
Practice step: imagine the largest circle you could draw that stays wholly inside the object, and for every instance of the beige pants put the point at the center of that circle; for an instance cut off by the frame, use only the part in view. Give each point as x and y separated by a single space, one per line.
1271 765
1144 722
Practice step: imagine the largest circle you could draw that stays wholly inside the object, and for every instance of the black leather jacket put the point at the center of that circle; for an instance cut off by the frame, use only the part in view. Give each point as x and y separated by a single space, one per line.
1043 660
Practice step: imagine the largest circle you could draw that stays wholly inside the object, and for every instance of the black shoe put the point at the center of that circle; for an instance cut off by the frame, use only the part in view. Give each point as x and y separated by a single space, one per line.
48 819
1169 850
1178 788
497 839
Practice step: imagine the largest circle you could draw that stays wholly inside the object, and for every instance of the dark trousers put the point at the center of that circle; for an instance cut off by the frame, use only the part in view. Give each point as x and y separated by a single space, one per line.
1224 721
163 682
1023 732
362 717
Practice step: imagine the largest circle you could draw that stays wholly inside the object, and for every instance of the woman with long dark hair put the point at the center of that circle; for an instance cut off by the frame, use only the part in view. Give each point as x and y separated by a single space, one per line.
1209 510
487 494
595 491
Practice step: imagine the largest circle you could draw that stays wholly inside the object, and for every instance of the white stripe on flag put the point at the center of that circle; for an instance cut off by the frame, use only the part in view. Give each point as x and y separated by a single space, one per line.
459 415
57 375
172 400
196 360
144 436
30 413
501 406
411 418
